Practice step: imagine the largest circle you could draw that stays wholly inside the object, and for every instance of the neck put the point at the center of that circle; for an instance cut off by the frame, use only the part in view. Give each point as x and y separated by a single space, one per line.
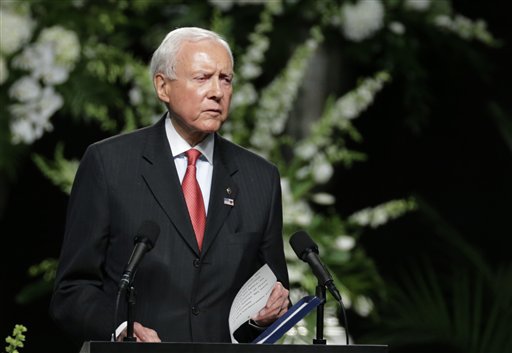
192 137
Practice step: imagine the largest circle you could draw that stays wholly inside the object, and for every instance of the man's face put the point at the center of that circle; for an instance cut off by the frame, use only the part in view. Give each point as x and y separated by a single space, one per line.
199 97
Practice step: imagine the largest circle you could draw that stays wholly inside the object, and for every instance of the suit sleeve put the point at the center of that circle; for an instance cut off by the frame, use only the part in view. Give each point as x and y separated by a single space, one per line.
80 304
271 250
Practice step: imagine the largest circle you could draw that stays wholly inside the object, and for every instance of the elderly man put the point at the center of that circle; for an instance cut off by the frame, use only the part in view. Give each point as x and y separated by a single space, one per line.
218 207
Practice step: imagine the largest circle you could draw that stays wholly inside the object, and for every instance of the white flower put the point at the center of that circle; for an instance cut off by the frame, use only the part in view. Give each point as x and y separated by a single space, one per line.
322 169
244 95
323 198
295 270
156 118
135 96
295 212
363 306
25 89
464 26
397 27
262 141
27 124
15 30
344 242
250 71
380 217
348 107
65 44
223 5
22 131
51 58
334 333
417 5
49 103
39 58
361 217
54 75
443 21
256 52
78 3
381 214
36 58
253 2
4 71
362 19
303 173
31 119
306 150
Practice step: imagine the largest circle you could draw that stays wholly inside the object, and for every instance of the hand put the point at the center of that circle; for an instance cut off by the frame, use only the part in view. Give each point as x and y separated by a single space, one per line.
141 333
277 306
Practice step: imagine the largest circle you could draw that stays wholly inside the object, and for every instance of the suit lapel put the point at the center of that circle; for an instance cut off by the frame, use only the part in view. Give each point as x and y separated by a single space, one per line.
223 192
159 172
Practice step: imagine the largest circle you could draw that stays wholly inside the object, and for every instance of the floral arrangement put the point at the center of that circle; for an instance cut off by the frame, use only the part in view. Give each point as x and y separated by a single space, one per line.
53 70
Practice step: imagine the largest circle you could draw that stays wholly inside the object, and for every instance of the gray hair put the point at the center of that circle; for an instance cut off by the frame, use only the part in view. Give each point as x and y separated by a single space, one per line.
164 58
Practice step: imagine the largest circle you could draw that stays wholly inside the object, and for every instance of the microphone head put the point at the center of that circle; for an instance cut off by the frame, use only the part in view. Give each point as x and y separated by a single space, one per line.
302 244
148 233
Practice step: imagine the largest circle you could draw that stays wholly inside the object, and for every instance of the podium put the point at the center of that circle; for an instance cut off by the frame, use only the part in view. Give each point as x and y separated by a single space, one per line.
133 347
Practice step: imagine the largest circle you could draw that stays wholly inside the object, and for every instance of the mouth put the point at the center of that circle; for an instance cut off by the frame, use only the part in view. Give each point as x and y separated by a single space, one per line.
214 111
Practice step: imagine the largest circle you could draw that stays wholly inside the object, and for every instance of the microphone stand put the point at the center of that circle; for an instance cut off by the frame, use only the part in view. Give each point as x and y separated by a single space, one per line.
130 297
320 293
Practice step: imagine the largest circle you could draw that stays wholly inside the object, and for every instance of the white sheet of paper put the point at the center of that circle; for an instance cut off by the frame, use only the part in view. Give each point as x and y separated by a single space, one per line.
251 298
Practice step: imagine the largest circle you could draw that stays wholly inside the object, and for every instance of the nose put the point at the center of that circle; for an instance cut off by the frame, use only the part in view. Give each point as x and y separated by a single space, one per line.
215 92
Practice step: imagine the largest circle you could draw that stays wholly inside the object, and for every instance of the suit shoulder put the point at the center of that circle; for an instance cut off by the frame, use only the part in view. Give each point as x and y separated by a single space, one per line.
123 145
245 156
127 138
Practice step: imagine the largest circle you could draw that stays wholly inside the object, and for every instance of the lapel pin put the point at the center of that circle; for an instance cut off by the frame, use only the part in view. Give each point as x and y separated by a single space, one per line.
228 190
229 202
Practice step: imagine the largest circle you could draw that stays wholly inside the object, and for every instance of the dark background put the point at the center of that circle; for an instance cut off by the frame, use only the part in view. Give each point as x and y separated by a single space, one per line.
457 162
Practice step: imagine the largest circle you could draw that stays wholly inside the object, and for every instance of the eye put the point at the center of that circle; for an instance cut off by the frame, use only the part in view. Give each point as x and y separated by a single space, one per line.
227 79
201 78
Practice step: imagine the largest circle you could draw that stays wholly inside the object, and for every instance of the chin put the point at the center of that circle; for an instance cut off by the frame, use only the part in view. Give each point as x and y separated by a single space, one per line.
211 127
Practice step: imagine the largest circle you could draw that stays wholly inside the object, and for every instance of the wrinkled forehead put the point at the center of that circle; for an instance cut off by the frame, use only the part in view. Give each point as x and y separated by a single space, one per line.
206 51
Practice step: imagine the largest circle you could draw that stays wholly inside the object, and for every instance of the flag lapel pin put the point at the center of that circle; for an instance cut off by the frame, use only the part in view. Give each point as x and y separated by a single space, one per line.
229 202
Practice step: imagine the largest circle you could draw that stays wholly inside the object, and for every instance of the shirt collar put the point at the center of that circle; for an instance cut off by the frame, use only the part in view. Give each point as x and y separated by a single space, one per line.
179 146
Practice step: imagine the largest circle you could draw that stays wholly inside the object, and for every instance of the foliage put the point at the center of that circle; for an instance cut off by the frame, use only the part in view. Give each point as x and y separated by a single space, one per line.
60 171
16 340
377 216
468 308
44 272
92 70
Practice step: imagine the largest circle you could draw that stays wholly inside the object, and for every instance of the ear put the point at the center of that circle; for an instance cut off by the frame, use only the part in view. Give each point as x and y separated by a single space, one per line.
162 87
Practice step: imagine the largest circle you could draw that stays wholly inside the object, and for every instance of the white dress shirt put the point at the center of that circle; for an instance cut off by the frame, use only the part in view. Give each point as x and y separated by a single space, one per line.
204 164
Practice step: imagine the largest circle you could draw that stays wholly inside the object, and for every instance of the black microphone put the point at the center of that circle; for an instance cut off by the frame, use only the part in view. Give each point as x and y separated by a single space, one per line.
144 241
307 251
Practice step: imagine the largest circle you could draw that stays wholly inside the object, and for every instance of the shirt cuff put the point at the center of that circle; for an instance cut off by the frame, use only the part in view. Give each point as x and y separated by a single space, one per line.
253 324
120 330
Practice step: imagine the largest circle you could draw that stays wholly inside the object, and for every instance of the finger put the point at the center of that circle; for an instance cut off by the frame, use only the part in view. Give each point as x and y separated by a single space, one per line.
278 292
274 312
270 316
281 300
145 334
150 335
278 297
282 311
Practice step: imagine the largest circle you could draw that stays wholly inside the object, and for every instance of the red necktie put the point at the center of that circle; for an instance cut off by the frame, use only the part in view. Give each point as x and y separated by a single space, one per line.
193 197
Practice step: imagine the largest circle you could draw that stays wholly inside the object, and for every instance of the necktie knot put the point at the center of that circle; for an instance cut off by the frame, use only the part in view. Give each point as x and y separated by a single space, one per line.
192 156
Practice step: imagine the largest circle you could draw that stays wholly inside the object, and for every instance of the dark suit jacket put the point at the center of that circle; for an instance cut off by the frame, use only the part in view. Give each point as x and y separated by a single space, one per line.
183 294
